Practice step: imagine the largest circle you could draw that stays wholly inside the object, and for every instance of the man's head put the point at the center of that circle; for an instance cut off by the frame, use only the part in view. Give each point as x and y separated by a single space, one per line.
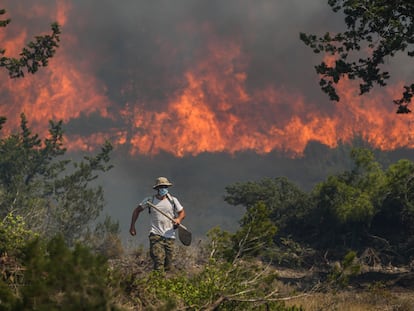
162 182
161 186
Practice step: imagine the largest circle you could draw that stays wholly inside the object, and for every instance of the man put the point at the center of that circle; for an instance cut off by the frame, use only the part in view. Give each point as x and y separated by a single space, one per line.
162 234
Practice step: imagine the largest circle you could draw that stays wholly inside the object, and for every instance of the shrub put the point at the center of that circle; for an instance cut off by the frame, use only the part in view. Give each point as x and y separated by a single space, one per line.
60 278
14 235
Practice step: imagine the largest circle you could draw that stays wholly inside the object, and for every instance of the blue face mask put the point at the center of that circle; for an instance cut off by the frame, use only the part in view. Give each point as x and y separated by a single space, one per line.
162 191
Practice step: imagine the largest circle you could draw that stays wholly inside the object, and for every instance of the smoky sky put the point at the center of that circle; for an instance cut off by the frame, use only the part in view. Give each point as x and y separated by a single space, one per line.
143 48
139 51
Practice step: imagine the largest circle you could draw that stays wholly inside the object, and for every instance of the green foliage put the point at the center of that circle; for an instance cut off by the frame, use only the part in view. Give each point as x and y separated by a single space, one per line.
273 191
341 273
221 244
384 28
256 233
35 55
395 219
290 253
400 178
50 195
254 237
218 286
105 239
60 278
286 203
353 209
353 206
8 300
368 173
347 203
344 202
14 235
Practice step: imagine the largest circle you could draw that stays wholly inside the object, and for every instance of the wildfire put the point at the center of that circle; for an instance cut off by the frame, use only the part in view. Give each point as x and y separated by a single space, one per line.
213 111
62 91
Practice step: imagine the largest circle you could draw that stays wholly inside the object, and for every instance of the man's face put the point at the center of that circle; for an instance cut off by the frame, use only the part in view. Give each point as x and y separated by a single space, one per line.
162 190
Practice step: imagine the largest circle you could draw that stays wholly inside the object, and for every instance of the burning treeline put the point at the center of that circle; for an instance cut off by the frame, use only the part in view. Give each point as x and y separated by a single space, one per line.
210 106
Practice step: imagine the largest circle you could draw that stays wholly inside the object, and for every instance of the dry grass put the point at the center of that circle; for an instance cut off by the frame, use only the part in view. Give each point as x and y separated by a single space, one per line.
384 290
367 292
385 300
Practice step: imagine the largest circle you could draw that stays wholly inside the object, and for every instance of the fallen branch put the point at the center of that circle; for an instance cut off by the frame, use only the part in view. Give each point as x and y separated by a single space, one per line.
214 306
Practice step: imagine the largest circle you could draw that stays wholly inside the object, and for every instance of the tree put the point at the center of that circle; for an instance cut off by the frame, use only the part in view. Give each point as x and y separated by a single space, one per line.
341 209
395 220
35 55
382 27
50 195
286 203
364 207
256 233
346 203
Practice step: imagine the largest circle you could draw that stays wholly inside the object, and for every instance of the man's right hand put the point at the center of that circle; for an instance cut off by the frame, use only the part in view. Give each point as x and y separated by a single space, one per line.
132 231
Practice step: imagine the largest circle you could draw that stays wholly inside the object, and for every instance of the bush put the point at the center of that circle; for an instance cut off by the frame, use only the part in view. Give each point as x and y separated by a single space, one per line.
341 273
219 285
60 278
14 235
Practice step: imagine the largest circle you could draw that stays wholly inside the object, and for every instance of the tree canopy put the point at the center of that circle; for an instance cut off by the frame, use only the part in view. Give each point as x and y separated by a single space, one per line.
383 27
354 209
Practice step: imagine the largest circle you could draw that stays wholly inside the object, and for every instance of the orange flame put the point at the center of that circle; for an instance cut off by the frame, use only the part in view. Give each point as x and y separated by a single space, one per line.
214 112
60 91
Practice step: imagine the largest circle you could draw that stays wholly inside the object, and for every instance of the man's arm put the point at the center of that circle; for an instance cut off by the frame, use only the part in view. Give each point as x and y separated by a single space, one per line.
135 215
180 217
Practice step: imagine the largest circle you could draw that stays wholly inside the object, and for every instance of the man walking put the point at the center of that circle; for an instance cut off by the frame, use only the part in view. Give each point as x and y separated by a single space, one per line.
162 232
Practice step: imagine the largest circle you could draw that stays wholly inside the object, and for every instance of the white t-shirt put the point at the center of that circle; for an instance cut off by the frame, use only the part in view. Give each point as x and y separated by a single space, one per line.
160 224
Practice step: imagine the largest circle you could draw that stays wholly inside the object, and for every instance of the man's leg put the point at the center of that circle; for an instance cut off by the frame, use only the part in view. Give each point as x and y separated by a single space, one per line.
157 251
169 254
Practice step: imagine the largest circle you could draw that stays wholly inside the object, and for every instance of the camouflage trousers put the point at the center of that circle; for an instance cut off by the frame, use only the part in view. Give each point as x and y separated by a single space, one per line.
161 252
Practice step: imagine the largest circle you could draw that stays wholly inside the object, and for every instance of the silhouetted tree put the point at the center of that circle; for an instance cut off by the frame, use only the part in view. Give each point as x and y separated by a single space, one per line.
35 55
382 27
